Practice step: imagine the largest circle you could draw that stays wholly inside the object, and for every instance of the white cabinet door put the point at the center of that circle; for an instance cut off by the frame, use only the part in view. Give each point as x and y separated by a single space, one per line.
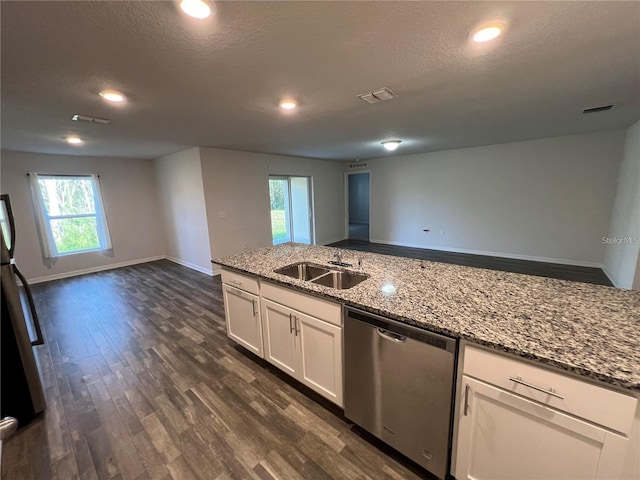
242 310
308 349
280 336
320 346
504 436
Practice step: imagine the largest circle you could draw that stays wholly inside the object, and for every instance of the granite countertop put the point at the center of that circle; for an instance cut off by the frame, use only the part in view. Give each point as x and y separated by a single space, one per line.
591 330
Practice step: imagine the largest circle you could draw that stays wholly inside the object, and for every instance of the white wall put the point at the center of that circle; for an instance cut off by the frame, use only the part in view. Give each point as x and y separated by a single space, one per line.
130 198
181 192
621 259
236 190
546 199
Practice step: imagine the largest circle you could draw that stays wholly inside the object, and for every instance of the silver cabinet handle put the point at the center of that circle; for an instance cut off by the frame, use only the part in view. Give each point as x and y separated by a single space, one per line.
297 324
8 425
535 387
235 282
467 387
253 303
32 306
291 323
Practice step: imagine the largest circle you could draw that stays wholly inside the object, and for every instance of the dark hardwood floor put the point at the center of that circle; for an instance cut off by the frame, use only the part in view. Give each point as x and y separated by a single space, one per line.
541 269
142 383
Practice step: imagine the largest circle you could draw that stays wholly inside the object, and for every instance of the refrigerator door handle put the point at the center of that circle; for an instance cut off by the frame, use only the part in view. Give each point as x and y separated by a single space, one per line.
32 307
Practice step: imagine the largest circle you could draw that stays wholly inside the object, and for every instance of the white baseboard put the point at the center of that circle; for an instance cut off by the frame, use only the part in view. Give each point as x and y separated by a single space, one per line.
560 261
611 277
192 266
84 271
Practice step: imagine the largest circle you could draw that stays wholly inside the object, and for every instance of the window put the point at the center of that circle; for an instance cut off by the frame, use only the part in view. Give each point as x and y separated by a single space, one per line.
291 209
69 214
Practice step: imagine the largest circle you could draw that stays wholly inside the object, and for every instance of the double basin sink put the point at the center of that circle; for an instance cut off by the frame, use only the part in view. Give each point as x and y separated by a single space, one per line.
320 275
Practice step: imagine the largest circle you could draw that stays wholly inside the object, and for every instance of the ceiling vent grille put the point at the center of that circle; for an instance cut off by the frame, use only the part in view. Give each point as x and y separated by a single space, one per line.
381 95
358 165
603 108
88 119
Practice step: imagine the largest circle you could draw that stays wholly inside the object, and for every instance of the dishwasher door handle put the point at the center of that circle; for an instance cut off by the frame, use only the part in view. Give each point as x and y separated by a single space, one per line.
391 336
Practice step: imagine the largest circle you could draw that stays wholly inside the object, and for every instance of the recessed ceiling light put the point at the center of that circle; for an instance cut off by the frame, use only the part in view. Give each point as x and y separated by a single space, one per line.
391 145
74 140
288 104
486 34
195 8
112 96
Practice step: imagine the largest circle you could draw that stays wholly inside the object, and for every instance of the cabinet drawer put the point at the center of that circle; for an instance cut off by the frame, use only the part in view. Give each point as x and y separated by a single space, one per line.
597 404
243 282
323 309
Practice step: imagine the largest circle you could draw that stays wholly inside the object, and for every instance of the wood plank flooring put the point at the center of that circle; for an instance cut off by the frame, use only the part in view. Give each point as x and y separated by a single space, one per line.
142 383
528 267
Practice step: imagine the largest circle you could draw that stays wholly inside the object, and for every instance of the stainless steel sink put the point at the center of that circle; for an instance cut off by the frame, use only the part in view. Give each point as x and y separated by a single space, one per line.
303 271
340 280
320 275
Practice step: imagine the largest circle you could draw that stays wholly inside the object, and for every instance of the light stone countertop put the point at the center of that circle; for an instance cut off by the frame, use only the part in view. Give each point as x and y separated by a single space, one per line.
587 329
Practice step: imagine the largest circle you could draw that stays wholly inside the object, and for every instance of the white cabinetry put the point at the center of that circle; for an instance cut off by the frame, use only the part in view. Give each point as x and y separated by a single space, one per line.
242 310
307 346
300 334
521 421
280 331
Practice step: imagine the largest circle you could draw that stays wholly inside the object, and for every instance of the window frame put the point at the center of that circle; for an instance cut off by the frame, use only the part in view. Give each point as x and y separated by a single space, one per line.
97 215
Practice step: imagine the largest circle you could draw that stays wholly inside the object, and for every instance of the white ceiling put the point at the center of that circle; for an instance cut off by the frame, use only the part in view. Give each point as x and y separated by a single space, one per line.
217 82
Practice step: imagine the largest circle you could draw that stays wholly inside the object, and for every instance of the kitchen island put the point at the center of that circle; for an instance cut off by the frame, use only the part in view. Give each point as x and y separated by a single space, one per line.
590 330
548 371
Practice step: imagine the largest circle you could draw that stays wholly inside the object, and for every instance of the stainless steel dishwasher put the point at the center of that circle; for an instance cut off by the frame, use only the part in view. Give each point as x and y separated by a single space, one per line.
399 384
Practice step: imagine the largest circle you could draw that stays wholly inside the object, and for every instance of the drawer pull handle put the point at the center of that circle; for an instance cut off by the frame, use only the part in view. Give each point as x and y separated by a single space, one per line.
255 311
535 387
291 323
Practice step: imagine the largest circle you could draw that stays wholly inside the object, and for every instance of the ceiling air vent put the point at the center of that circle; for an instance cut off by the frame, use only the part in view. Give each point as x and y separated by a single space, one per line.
88 119
358 165
603 108
379 95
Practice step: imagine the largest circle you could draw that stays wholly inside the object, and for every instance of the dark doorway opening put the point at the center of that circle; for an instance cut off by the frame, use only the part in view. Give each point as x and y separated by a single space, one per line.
359 196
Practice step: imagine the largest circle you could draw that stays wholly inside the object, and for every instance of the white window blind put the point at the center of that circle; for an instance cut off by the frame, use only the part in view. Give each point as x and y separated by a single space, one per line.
69 215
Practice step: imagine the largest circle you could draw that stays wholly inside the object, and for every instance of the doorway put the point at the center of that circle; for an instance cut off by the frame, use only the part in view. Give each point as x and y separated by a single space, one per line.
291 209
358 186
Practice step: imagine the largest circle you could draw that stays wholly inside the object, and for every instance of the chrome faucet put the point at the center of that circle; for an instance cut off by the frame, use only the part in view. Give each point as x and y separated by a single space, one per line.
338 261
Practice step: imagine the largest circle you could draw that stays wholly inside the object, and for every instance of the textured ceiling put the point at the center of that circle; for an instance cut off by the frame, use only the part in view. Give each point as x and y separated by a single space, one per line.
217 82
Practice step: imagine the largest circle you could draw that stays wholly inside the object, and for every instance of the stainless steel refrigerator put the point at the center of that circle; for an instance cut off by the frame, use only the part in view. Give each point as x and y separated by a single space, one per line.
21 391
